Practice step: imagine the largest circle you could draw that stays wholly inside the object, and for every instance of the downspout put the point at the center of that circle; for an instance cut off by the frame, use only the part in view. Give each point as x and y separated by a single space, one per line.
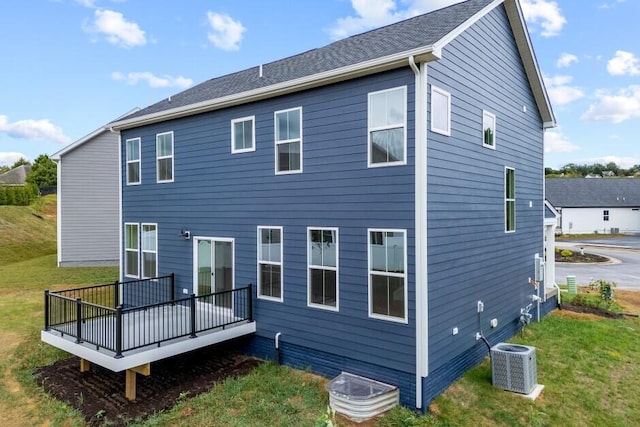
120 227
59 210
420 229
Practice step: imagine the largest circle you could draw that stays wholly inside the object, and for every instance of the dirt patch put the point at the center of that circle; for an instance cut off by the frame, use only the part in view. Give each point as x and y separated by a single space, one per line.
99 393
590 310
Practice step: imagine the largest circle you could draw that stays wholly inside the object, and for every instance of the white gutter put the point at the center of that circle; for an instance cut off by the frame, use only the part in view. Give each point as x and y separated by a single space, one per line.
315 80
420 199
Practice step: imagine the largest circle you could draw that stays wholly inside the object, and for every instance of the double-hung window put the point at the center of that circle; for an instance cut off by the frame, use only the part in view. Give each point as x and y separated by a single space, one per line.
388 274
488 130
164 157
133 161
322 259
131 250
510 199
270 263
605 215
243 132
149 243
288 141
387 127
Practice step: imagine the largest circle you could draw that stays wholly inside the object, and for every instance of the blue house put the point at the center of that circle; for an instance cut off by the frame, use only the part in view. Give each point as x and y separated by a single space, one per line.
383 194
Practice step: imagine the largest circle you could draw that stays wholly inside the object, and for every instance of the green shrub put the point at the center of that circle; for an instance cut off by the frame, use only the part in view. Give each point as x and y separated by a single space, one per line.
566 253
604 288
18 196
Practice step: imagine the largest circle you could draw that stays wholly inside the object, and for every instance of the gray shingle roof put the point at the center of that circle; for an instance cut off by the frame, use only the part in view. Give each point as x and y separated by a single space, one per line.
16 176
420 31
593 192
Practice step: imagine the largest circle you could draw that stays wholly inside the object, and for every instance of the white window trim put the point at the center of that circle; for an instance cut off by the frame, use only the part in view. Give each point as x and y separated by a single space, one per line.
158 158
446 132
253 135
403 275
504 191
495 125
286 141
395 126
127 161
143 251
126 250
322 267
281 263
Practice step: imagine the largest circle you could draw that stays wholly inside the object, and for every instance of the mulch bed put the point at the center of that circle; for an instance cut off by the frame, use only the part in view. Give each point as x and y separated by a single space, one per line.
590 310
578 258
99 393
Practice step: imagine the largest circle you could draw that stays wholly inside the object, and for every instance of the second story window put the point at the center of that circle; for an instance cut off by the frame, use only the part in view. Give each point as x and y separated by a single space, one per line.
605 215
164 157
387 127
133 161
288 136
488 130
243 135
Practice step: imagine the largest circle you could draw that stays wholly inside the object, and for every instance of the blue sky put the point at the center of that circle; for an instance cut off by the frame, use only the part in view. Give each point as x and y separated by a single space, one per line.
70 66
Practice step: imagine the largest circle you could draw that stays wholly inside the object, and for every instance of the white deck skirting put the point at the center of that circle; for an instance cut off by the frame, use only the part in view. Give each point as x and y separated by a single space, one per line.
152 325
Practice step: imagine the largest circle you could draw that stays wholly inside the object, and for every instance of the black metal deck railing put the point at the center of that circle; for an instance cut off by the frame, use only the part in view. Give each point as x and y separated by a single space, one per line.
104 316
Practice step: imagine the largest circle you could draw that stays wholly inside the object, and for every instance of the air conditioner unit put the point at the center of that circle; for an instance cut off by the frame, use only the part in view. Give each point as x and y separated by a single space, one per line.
513 367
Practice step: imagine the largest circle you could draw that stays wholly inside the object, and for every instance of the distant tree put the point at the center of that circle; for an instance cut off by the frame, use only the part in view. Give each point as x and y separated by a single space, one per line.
43 172
4 169
21 161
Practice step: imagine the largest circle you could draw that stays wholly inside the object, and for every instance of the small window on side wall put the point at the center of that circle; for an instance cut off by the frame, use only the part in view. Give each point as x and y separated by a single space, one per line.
243 135
440 111
488 130
509 200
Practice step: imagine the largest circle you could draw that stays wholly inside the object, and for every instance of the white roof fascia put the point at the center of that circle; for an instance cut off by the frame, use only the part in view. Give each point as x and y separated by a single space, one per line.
56 156
437 46
422 54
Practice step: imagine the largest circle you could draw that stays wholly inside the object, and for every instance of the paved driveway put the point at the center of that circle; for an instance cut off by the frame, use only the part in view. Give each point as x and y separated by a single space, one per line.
624 271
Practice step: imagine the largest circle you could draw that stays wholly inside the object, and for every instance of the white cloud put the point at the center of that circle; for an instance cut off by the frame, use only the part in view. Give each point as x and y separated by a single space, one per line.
225 33
624 63
152 80
376 13
615 107
87 3
33 129
566 59
611 5
560 92
9 158
117 29
545 13
557 142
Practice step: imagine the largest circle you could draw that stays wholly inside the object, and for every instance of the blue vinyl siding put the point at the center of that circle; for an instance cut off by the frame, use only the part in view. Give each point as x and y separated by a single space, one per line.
218 194
470 257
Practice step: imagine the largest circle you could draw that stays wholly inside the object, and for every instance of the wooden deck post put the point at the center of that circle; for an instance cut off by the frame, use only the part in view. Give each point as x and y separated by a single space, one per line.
84 365
130 380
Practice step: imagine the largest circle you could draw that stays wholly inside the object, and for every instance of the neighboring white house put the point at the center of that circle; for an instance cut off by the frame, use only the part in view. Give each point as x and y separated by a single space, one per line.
88 200
607 205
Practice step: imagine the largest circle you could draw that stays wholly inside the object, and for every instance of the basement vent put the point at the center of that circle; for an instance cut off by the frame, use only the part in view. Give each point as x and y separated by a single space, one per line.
359 398
513 367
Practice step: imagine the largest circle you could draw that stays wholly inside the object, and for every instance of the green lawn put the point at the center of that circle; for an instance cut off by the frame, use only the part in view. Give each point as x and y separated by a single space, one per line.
589 366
